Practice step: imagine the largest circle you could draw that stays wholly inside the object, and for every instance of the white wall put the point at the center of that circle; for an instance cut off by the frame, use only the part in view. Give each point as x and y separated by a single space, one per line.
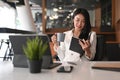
92 17
26 21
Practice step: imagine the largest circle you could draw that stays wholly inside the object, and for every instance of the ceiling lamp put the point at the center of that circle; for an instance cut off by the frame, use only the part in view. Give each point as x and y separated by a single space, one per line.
55 9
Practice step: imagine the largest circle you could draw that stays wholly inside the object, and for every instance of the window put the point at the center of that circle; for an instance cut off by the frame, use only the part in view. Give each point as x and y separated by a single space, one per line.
57 13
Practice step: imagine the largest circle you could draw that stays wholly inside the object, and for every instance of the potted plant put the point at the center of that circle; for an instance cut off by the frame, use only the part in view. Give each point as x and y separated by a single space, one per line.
34 50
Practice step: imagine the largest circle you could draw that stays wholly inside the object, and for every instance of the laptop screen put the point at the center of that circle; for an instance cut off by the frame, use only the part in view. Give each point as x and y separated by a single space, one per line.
20 59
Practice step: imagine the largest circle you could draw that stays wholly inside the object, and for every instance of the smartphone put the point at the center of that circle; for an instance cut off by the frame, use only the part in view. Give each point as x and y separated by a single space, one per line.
65 69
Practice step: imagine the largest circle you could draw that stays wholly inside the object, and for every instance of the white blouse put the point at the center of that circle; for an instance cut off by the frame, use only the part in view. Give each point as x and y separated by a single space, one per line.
65 54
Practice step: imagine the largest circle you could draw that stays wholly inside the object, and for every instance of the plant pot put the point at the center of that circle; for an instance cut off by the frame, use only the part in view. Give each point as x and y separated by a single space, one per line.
35 65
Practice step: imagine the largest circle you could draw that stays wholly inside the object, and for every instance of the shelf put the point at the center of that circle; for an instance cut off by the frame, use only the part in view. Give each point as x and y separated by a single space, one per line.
106 33
112 42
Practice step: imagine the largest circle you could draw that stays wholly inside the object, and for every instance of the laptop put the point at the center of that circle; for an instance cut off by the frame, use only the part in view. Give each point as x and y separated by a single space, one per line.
20 60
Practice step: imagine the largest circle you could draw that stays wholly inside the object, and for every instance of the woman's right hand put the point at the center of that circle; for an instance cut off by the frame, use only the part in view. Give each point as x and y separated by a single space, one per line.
54 39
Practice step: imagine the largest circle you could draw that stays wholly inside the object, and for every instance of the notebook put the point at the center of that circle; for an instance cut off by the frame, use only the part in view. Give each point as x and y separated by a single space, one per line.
20 59
112 66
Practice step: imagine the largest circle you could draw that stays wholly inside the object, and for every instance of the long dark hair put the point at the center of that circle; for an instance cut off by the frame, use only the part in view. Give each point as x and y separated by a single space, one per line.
87 28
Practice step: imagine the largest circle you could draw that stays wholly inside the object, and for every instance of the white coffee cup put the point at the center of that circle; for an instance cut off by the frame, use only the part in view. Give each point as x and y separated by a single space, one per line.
60 37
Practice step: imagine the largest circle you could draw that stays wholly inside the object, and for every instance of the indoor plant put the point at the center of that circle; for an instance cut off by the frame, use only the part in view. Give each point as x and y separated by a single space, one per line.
34 50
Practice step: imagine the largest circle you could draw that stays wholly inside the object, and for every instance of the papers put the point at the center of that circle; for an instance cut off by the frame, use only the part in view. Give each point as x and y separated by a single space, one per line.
72 57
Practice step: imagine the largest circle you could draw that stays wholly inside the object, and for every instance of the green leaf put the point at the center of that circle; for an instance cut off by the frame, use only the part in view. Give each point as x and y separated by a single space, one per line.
35 48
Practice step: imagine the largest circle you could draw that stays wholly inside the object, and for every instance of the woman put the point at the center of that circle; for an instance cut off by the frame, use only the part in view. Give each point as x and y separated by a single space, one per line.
82 31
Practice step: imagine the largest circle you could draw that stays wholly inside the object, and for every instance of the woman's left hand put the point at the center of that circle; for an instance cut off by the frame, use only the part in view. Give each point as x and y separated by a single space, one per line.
85 44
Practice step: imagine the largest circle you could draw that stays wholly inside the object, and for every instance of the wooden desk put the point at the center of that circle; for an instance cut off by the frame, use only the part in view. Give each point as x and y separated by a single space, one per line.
82 71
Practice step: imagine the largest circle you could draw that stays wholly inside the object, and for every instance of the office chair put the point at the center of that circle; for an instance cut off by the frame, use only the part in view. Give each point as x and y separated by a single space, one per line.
100 52
8 53
1 43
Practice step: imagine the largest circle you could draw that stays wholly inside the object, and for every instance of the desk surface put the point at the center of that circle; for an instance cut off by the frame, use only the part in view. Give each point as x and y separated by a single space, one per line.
82 71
